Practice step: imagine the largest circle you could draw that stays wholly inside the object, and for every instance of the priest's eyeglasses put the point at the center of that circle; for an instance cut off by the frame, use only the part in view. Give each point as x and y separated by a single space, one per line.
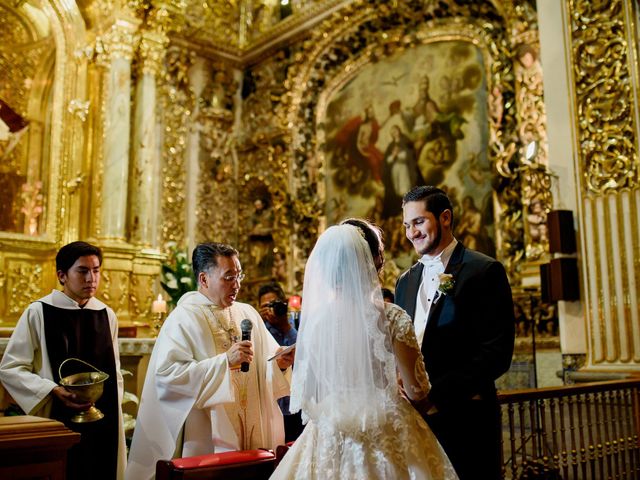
232 278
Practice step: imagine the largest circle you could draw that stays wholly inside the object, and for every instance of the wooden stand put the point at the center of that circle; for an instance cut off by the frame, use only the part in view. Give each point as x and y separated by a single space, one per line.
34 448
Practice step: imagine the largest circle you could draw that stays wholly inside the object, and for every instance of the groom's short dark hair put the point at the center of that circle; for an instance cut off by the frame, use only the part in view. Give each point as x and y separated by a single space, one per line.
435 200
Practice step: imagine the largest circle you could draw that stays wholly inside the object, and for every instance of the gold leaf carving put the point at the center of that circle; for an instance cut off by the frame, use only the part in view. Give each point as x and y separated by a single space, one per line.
114 290
604 96
79 108
24 284
141 295
177 101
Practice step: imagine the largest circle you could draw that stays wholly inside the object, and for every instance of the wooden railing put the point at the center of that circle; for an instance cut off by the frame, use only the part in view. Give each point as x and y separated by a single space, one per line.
586 432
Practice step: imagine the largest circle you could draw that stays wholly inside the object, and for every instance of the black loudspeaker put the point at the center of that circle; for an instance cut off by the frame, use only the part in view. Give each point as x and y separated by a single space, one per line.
562 237
563 279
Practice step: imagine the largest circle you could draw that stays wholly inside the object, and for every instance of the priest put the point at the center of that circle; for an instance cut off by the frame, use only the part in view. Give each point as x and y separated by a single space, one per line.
196 397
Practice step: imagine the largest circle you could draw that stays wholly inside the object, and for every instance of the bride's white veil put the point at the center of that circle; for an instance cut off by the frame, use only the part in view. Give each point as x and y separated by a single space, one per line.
344 370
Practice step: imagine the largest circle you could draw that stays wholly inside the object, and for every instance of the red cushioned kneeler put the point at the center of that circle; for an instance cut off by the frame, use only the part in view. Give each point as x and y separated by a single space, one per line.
241 465
281 451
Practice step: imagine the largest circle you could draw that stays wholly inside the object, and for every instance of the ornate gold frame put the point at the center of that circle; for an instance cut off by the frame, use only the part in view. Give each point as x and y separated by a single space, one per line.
330 57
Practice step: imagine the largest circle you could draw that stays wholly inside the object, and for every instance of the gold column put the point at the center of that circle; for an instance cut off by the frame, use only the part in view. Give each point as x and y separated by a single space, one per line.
146 155
115 57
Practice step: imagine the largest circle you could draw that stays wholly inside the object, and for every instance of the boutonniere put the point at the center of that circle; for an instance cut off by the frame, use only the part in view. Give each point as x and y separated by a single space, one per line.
447 282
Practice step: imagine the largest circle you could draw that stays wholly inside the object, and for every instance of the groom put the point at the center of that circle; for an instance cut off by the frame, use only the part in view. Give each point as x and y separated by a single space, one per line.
460 301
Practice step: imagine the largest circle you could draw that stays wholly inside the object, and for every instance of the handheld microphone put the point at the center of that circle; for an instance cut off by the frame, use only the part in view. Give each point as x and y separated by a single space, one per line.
245 327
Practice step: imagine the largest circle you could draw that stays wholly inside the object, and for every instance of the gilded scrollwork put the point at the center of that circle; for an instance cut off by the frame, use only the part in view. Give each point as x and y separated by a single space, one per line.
264 240
216 186
141 295
536 179
249 166
212 126
603 88
114 290
24 283
263 89
222 19
79 108
177 101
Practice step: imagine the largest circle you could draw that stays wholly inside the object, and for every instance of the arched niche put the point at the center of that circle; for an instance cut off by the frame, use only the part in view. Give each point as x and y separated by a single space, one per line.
43 58
41 83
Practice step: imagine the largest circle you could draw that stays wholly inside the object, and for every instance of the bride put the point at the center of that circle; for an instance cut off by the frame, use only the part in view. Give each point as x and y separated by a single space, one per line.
355 355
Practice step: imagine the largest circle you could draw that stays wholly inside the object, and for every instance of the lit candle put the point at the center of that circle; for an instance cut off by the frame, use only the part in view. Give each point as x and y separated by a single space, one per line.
159 305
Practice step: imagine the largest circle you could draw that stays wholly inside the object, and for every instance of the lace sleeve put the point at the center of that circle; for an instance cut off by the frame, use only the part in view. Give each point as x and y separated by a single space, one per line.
410 363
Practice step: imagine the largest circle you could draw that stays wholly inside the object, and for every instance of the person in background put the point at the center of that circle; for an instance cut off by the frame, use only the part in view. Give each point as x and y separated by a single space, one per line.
66 324
197 399
272 305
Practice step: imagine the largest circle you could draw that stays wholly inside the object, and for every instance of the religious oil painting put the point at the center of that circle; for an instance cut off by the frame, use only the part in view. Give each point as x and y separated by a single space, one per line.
419 117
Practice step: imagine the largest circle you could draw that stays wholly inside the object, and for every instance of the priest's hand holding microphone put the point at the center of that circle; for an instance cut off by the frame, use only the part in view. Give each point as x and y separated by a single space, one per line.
241 353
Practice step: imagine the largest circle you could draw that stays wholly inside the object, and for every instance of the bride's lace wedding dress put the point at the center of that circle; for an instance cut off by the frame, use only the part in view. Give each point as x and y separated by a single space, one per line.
381 437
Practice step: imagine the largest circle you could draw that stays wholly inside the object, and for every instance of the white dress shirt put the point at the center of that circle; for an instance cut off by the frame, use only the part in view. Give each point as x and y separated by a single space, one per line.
433 267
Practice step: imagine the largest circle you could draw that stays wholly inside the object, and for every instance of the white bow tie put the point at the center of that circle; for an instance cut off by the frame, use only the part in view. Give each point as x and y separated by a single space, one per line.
431 262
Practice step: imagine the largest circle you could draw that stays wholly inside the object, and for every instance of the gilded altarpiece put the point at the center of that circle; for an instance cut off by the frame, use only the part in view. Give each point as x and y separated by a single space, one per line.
242 155
367 33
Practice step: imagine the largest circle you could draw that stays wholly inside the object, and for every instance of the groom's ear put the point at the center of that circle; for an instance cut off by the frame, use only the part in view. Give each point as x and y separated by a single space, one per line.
446 218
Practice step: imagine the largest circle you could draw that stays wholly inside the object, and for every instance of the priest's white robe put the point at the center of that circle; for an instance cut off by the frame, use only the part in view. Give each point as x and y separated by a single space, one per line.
189 390
25 370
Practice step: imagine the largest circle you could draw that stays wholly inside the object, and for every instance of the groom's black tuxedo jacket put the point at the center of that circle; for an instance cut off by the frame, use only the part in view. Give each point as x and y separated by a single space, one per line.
469 338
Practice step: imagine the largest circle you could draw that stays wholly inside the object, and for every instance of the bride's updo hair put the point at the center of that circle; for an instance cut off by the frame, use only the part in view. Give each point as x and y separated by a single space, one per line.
372 235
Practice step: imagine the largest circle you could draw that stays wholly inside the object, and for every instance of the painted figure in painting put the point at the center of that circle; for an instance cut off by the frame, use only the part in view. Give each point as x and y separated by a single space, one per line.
356 147
434 133
400 171
471 230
